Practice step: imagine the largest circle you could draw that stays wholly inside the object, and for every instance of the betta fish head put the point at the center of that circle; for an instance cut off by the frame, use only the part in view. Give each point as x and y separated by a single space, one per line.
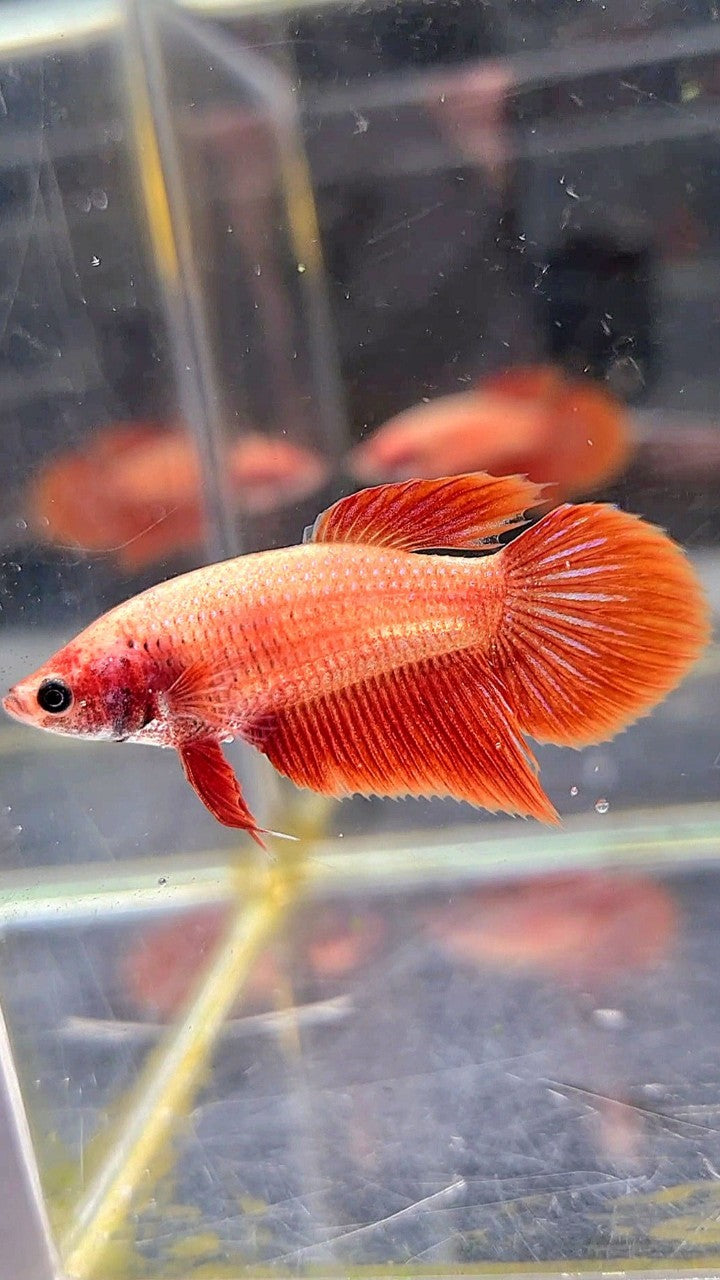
87 694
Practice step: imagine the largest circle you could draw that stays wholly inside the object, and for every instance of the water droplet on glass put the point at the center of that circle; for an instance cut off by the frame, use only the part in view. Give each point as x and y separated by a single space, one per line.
600 770
573 791
602 806
610 1019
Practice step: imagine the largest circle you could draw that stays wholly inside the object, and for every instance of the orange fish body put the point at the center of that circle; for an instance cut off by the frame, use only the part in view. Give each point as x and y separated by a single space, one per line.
358 665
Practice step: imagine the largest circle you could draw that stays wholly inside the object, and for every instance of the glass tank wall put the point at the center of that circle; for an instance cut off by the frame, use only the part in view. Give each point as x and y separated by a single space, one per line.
255 256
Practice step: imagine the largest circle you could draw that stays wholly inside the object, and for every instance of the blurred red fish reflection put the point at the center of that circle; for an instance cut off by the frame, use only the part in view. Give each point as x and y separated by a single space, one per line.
535 421
583 929
135 490
159 970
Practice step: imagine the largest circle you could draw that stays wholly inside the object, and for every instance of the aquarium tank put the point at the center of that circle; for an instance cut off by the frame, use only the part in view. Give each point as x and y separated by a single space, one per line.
256 255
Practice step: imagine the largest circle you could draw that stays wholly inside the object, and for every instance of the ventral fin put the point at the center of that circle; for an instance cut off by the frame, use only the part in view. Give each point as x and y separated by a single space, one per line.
438 728
213 780
460 512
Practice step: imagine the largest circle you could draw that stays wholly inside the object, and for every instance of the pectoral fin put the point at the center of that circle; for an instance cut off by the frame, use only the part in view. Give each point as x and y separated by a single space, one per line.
201 692
212 778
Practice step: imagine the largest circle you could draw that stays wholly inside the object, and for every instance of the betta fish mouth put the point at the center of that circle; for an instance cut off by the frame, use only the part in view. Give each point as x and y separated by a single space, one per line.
15 706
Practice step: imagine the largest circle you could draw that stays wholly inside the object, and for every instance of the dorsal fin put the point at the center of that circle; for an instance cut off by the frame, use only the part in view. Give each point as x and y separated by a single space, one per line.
459 512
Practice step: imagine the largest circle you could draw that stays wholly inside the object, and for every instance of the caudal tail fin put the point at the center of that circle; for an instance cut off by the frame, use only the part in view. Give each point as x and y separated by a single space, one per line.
604 615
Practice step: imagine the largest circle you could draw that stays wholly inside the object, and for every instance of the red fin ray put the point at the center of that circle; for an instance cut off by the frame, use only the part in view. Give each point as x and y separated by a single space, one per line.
459 512
438 728
604 616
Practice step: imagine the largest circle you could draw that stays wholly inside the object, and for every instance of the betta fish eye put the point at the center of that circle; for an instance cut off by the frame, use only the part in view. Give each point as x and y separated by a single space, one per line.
54 696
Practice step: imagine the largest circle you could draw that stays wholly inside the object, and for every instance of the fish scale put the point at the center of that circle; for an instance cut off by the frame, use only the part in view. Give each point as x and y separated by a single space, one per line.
259 612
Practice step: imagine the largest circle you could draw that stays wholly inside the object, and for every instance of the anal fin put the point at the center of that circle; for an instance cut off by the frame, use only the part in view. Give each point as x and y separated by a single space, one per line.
438 728
213 780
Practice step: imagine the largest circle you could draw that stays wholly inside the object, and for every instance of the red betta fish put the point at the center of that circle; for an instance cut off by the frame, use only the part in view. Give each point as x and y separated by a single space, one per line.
357 665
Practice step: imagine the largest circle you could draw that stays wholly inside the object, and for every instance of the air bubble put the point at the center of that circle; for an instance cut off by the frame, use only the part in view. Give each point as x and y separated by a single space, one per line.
17 829
602 806
95 260
21 524
99 199
573 791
